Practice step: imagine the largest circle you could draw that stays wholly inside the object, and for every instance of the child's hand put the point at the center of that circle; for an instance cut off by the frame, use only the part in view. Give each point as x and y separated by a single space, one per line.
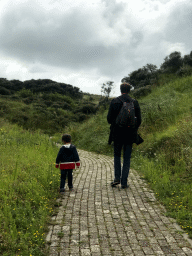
56 165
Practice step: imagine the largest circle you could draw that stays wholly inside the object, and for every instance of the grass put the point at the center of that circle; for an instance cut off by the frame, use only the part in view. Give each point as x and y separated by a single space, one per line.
28 189
165 157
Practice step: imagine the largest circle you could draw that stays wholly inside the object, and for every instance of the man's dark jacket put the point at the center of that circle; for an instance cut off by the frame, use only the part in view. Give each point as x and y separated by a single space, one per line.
125 134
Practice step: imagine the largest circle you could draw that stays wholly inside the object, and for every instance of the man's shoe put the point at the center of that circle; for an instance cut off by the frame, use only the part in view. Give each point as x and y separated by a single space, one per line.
124 186
115 183
62 190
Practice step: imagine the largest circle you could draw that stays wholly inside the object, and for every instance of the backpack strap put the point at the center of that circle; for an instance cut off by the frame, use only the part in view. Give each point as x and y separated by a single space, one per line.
131 100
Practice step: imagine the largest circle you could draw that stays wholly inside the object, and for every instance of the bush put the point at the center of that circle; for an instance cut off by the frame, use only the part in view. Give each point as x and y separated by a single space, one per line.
185 71
4 91
143 91
24 93
87 109
28 100
81 117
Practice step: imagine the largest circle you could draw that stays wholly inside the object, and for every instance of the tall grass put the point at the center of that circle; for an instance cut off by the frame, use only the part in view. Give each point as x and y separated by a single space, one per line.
28 188
165 157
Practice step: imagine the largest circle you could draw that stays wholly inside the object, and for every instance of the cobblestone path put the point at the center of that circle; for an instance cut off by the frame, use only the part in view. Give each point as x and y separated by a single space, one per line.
97 219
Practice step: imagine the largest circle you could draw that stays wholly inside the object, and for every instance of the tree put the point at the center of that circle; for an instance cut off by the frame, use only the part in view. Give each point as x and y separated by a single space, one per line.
187 60
151 68
172 63
142 77
106 88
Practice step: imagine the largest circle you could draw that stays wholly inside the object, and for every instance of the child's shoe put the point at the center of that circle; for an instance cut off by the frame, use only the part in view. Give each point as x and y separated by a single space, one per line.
62 190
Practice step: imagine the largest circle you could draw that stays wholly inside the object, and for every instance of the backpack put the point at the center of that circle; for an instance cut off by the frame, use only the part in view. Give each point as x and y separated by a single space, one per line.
126 116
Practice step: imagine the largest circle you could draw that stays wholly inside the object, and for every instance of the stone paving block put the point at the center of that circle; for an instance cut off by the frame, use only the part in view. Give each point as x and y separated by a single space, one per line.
188 251
97 219
85 252
53 251
148 251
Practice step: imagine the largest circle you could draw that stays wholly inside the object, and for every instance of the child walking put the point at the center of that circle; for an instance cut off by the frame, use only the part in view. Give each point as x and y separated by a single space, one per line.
67 159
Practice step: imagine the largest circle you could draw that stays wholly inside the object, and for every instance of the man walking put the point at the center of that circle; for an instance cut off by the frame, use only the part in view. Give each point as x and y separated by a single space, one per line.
123 137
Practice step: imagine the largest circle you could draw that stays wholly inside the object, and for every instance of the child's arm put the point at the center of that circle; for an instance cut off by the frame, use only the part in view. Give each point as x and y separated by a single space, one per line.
76 157
58 159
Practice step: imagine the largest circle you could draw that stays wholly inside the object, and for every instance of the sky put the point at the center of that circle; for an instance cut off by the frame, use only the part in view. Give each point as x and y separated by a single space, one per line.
87 43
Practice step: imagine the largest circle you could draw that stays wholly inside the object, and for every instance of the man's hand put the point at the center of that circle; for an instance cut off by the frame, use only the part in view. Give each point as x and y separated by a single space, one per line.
56 165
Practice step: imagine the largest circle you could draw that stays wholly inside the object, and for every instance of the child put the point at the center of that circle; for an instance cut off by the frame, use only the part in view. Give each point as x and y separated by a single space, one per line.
68 158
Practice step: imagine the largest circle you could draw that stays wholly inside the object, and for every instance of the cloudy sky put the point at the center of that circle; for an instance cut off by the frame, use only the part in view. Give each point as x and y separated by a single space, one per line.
87 43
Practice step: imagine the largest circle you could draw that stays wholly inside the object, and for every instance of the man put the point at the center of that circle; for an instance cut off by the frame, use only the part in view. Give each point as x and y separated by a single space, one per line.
123 137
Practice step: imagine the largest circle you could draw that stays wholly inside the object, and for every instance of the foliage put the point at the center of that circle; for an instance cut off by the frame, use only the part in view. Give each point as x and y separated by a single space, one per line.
142 77
106 88
187 59
143 91
28 189
40 86
185 70
172 63
44 110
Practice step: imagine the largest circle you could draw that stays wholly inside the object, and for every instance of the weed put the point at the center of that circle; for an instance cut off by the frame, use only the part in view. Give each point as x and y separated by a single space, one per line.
60 234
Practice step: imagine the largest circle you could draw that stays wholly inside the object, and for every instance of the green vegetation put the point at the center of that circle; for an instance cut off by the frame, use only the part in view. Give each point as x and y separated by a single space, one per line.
28 189
174 64
44 104
165 157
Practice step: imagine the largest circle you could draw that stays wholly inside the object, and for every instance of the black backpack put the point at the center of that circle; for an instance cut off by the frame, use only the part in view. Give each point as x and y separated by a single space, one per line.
126 116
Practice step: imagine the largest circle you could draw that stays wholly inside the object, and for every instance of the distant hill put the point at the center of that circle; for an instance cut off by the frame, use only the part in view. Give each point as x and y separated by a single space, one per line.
8 87
44 104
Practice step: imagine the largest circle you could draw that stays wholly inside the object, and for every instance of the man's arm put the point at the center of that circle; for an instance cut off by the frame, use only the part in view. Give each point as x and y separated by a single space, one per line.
137 113
110 114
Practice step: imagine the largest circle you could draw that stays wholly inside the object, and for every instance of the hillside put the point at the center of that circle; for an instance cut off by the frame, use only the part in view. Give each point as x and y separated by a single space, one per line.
165 157
44 104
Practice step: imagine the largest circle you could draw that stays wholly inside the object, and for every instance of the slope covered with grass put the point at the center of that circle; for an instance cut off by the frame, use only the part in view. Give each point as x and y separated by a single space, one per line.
28 189
165 157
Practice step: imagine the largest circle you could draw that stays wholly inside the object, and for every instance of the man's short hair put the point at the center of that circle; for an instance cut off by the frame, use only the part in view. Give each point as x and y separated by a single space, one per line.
125 87
66 138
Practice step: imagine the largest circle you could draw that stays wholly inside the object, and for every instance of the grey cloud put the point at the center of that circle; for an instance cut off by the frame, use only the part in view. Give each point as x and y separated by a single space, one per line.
137 38
69 40
29 34
179 24
113 11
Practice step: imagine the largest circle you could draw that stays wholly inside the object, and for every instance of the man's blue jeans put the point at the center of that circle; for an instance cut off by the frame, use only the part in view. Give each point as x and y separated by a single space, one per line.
122 174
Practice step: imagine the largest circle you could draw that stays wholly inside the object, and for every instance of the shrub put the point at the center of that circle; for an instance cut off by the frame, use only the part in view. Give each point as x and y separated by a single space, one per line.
185 71
87 109
4 91
24 93
143 91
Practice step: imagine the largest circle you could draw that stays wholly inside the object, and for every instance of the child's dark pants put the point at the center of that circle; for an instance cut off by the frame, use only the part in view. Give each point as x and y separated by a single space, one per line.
64 174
